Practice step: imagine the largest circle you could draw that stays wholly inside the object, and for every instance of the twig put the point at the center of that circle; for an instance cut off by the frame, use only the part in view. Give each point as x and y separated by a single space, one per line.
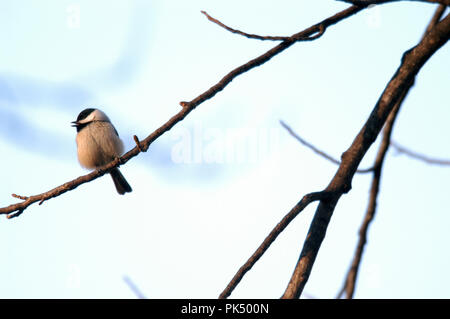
411 63
19 196
133 287
297 209
184 103
260 37
138 143
187 108
317 151
418 156
286 220
16 214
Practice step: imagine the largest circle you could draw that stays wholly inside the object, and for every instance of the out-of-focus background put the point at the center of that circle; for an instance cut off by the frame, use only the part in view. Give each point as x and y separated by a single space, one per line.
208 192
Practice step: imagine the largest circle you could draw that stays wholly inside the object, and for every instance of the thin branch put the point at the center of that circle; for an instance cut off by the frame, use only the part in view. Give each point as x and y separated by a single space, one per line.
436 18
419 156
138 143
411 63
15 210
307 198
261 37
350 282
401 149
386 142
297 209
317 151
19 196
264 246
133 287
375 2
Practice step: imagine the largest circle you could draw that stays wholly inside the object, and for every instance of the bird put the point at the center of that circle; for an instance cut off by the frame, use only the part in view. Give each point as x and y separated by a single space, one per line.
98 143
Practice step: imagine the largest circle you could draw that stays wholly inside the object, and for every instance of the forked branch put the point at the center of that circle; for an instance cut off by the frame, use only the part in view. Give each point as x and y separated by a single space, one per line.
17 209
297 209
386 142
412 61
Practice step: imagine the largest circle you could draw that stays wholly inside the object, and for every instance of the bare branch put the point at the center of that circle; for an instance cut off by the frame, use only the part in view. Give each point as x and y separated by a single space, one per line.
307 198
418 156
317 151
412 61
138 143
436 18
260 37
133 287
286 220
374 2
19 196
187 108
350 281
297 209
349 286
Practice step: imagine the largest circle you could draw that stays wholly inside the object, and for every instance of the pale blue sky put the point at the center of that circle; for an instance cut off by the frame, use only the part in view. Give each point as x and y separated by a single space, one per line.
188 226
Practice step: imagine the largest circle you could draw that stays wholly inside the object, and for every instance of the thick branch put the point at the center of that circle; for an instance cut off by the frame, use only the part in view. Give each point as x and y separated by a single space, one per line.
307 198
411 63
18 208
350 281
297 209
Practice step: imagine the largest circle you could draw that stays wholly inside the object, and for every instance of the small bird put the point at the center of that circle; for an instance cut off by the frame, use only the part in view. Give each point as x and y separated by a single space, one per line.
98 143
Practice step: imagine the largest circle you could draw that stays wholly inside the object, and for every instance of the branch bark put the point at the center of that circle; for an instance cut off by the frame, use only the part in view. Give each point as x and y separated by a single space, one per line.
412 61
260 37
307 198
297 209
349 286
350 281
17 209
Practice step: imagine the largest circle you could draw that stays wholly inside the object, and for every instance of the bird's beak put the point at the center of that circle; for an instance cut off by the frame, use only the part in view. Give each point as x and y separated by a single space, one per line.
74 124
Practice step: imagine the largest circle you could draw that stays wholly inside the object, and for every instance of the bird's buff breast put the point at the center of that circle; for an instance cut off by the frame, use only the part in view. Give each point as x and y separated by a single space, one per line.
97 150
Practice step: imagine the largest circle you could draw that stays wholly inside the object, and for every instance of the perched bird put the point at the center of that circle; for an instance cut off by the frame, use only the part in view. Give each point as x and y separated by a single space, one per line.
98 143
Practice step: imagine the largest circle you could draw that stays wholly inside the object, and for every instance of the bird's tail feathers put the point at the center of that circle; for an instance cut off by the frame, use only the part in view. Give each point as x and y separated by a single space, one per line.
120 182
